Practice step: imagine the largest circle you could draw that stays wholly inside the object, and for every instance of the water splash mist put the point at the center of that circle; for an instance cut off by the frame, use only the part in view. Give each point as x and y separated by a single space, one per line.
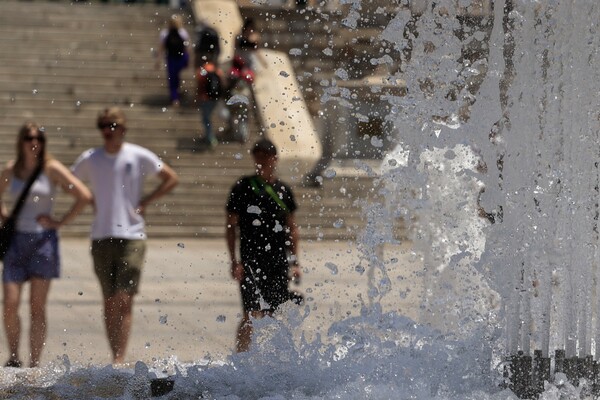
526 106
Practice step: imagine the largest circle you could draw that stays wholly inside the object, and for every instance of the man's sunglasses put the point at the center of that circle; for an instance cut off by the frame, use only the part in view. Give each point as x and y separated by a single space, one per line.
111 125
40 139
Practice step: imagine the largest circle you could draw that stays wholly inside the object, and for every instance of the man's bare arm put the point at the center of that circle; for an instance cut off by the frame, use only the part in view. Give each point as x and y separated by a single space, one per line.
294 237
231 226
169 180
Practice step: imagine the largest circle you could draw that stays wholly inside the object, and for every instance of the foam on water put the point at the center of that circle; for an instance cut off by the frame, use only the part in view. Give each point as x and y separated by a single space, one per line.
376 355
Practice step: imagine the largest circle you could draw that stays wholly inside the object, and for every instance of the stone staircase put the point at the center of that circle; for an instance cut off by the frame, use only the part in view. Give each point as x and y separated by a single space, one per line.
63 62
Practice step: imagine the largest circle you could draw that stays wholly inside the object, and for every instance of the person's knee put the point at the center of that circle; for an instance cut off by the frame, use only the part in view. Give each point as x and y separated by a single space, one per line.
245 318
38 313
124 301
10 309
117 305
38 306
10 304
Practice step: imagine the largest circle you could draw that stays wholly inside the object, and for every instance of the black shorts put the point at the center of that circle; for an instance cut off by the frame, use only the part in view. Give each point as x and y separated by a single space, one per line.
265 284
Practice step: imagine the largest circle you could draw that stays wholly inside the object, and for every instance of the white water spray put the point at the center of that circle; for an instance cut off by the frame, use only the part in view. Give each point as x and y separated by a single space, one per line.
533 120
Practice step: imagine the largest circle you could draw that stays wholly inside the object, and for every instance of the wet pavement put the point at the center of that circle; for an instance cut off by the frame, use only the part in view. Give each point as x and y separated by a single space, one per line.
189 307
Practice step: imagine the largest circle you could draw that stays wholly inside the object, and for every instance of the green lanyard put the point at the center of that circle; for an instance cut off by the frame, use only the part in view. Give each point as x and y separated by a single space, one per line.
254 181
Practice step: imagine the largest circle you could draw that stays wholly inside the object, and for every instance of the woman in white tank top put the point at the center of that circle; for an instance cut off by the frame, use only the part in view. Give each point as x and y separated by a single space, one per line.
33 255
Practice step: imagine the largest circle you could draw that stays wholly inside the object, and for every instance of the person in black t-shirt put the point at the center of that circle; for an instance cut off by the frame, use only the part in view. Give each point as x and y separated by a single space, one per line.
261 207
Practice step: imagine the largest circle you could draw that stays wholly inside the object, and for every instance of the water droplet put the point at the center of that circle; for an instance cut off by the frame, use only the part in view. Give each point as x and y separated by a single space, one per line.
237 99
164 109
80 293
163 319
181 245
342 74
296 52
360 269
157 300
238 156
253 210
332 267
256 222
36 199
34 91
221 318
284 74
329 173
376 142
339 223
147 344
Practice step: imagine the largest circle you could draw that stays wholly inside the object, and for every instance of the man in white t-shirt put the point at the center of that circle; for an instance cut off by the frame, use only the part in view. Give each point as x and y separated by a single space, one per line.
116 174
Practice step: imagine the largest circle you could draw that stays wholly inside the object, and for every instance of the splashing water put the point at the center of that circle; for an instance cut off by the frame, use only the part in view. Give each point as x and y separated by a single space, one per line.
497 167
376 355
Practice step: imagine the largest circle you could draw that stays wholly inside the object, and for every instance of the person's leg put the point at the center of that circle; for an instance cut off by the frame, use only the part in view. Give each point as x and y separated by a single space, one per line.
238 122
12 323
243 336
37 335
252 302
207 108
125 301
111 322
104 253
245 330
173 78
232 123
119 305
118 317
243 123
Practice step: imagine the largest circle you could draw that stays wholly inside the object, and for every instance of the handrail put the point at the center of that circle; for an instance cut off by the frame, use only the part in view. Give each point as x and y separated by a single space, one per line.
282 111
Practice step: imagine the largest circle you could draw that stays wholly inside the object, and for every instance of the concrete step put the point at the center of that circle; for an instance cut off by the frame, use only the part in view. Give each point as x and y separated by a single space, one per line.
78 97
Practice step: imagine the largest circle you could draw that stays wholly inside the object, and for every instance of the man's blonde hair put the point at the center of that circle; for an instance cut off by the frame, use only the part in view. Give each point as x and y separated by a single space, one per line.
175 22
113 114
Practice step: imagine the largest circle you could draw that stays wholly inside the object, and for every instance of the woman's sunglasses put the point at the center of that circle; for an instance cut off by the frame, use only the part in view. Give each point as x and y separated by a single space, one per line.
40 139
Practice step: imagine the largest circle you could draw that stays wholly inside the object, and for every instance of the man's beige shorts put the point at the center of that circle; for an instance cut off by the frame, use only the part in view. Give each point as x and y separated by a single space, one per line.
118 264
